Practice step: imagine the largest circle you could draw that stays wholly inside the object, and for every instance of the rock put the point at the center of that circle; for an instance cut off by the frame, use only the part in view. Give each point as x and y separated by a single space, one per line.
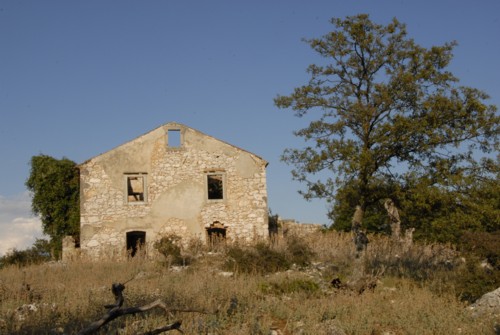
225 274
489 303
366 283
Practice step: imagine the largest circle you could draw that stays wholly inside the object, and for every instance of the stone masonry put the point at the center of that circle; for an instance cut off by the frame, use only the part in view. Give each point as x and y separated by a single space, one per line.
150 187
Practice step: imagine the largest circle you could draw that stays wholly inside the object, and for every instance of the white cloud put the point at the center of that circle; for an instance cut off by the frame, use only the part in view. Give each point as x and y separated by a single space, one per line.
18 227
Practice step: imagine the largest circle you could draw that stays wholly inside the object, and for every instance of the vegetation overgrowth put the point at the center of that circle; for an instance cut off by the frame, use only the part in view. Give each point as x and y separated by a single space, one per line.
285 286
387 119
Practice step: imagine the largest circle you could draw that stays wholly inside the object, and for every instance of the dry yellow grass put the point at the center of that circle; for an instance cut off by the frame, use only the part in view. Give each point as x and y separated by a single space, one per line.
68 297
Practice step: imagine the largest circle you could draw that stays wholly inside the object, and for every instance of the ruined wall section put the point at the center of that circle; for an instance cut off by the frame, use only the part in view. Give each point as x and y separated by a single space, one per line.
292 227
183 171
176 191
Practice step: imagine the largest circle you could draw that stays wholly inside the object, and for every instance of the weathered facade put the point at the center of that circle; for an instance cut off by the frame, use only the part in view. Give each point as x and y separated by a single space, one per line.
172 180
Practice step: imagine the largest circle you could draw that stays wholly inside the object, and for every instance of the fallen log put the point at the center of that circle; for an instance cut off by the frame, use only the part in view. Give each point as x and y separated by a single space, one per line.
116 310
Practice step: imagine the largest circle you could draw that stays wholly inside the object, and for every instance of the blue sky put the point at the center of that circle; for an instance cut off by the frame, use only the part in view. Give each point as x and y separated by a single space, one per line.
78 78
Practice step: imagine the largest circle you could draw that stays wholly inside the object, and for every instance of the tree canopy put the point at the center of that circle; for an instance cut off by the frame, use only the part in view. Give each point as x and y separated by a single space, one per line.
55 188
387 115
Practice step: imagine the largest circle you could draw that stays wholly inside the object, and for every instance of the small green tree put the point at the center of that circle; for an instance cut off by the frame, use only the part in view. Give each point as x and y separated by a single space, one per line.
55 188
385 107
170 247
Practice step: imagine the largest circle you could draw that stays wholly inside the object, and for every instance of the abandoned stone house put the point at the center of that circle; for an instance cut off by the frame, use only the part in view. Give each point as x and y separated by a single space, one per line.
171 180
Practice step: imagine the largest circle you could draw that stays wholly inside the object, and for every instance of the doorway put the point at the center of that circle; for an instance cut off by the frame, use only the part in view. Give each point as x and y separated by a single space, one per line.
135 242
216 234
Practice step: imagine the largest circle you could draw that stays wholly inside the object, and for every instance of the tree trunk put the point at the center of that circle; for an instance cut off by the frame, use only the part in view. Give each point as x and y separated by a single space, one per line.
394 220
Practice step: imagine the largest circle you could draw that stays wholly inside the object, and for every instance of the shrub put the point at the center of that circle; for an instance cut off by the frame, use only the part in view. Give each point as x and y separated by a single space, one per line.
260 259
440 266
476 278
300 252
169 246
267 258
420 262
271 260
195 246
484 245
473 281
240 259
289 286
38 253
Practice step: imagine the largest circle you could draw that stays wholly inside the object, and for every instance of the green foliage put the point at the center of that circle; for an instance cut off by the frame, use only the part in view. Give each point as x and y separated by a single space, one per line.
468 272
486 246
420 263
442 208
269 259
264 258
241 259
472 281
375 216
440 211
300 253
38 253
385 111
55 187
258 259
169 246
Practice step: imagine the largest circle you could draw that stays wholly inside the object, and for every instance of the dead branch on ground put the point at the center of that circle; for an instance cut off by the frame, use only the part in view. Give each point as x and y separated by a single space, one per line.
116 310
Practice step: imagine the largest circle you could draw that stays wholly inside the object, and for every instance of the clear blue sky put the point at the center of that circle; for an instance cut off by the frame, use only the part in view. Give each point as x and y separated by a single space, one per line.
78 78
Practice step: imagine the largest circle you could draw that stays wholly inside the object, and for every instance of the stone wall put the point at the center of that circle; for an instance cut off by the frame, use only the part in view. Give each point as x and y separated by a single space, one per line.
176 192
69 250
292 227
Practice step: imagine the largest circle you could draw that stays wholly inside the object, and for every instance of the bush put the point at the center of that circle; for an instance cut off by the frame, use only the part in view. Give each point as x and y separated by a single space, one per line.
442 267
264 258
170 247
260 259
418 262
473 281
38 253
484 245
300 252
478 277
271 260
239 259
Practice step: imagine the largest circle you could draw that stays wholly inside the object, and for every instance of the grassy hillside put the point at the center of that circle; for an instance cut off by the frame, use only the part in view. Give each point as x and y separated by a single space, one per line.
280 289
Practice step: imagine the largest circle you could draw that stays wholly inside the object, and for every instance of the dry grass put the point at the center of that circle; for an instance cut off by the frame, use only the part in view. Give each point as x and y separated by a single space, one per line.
70 296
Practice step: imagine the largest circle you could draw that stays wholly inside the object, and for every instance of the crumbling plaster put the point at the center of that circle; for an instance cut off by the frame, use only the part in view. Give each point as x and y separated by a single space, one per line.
176 195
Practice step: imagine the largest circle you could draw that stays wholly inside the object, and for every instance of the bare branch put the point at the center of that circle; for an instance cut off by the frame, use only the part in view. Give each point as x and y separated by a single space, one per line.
175 325
116 310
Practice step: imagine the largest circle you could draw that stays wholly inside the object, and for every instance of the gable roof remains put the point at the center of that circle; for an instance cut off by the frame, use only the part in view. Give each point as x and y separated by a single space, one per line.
173 125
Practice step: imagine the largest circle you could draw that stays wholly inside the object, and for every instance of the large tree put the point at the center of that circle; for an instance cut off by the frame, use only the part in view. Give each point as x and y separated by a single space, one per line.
384 108
55 188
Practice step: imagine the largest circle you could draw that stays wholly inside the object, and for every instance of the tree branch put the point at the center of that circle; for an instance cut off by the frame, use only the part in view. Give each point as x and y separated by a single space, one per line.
116 310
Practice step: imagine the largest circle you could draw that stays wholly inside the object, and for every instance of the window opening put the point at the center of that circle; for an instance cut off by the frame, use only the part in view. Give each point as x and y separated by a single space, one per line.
135 188
135 242
173 138
215 186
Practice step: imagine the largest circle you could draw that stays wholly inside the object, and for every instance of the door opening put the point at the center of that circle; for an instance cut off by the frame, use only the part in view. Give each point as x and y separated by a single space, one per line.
135 242
216 234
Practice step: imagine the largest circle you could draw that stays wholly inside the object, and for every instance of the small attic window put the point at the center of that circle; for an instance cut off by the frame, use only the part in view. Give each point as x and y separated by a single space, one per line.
174 138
